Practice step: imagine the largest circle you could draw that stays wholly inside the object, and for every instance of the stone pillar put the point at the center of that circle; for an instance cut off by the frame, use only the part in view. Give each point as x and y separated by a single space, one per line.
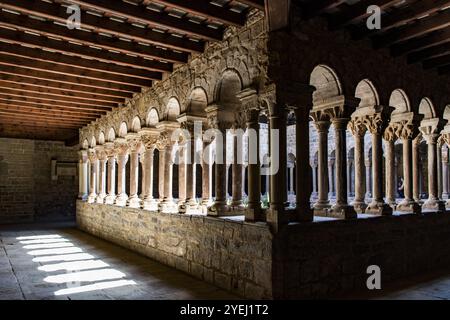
149 138
439 169
135 146
314 180
331 180
416 168
207 200
122 159
391 187
168 205
220 203
433 203
102 159
182 177
253 212
341 208
111 176
236 167
375 124
368 164
445 184
93 179
191 151
161 162
83 175
323 204
358 131
408 204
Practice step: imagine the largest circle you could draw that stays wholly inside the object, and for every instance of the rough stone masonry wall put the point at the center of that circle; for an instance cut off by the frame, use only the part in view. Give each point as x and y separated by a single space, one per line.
27 192
233 255
326 259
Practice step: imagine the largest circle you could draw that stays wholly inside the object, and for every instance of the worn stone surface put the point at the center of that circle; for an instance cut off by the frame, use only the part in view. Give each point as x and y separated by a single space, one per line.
233 255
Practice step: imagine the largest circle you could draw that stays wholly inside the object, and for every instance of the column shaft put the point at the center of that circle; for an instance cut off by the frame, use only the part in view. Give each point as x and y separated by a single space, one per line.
359 203
237 171
110 198
390 173
322 201
253 212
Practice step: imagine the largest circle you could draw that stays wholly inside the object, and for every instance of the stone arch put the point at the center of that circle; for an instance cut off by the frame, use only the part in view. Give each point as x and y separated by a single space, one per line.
399 101
173 109
446 114
229 85
111 135
152 117
136 124
197 102
123 130
101 138
326 82
426 108
367 93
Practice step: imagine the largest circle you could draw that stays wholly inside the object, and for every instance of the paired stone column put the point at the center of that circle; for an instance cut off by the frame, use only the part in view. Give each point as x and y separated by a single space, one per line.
207 161
391 187
122 159
416 168
111 176
191 200
182 177
135 148
93 178
323 204
149 138
376 124
83 175
358 130
102 160
341 208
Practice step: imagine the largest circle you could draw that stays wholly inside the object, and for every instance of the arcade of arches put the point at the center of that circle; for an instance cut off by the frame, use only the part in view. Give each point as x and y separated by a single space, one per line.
333 160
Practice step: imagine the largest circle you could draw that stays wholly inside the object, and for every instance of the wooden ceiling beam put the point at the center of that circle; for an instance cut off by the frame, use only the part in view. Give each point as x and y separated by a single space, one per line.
420 28
62 110
433 39
54 99
30 113
320 6
85 52
437 62
23 103
23 119
60 93
140 14
45 75
30 63
429 53
48 28
205 9
357 12
56 12
258 4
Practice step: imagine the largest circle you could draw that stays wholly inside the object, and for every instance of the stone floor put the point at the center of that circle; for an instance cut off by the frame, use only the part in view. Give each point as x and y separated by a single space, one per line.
61 262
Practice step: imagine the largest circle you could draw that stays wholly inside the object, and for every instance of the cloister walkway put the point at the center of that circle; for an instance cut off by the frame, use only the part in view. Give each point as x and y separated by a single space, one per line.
46 262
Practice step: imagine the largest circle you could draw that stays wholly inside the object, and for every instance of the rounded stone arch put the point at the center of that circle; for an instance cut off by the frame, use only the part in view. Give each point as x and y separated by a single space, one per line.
426 108
173 109
152 117
123 129
101 138
111 135
85 144
136 124
93 142
367 93
446 114
229 85
326 82
399 101
197 102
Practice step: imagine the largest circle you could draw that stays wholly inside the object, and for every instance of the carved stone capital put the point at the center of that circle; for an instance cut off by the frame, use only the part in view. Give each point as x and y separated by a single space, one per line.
322 126
121 147
357 127
390 133
92 155
375 123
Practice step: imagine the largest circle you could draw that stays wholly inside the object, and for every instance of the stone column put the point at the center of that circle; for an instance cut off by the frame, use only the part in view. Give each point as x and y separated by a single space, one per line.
314 180
149 138
93 179
161 162
445 184
433 203
341 208
168 205
439 169
391 187
416 168
83 175
408 204
207 200
182 177
122 159
111 176
102 159
236 202
331 180
358 131
135 146
375 125
191 200
253 212
368 165
220 203
322 204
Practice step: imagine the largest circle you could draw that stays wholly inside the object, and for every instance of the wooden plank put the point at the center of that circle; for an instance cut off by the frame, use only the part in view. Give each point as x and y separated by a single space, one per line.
437 62
32 113
430 40
429 53
258 4
21 102
12 106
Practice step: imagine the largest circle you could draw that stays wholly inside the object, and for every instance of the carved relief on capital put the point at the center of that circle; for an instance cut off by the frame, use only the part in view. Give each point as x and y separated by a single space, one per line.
239 120
357 127
406 130
322 126
101 154
162 141
390 133
375 123
417 140
149 142
121 147
92 155
135 144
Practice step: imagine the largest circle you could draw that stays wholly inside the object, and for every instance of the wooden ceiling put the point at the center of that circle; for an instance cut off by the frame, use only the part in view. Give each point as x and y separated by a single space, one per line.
54 80
417 29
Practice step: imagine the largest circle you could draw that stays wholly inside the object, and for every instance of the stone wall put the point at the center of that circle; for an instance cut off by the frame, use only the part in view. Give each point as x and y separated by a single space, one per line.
27 191
326 259
233 255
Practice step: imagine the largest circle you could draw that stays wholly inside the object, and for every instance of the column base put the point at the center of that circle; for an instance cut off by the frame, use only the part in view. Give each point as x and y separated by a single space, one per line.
253 214
110 199
150 204
168 206
134 202
205 204
343 211
121 200
83 197
359 206
92 198
379 209
392 203
434 205
445 196
321 208
220 209
409 206
100 199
